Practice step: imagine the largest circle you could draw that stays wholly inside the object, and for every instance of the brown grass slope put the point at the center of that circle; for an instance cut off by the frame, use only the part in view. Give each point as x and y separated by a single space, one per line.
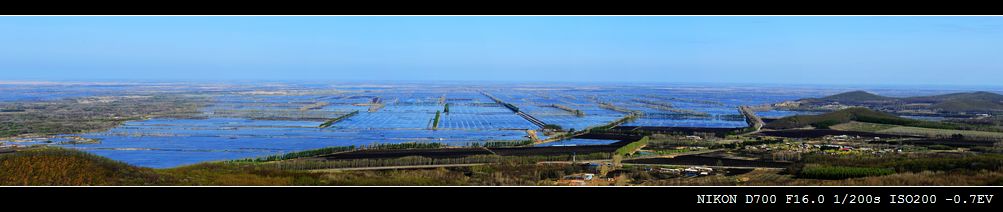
64 167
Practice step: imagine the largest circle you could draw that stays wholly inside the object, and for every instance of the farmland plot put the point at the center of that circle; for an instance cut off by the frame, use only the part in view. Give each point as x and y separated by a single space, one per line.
943 133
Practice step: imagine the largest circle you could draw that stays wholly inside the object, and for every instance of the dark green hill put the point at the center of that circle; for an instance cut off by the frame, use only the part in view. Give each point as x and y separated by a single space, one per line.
963 102
964 96
850 114
971 102
855 96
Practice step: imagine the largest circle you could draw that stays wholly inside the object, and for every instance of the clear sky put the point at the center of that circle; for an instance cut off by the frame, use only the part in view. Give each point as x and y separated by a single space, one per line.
824 50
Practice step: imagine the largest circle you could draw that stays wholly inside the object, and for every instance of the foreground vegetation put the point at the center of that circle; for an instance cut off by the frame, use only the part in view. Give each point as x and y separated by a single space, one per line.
57 166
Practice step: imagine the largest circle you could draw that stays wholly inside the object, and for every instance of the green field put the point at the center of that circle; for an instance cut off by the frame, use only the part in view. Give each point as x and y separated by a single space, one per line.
917 131
862 126
943 133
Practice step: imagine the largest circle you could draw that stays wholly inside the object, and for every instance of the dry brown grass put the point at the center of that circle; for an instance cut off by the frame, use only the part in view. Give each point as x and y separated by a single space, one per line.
61 167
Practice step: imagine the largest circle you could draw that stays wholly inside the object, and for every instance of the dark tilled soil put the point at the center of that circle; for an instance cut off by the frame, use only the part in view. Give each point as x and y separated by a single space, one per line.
685 130
696 160
429 153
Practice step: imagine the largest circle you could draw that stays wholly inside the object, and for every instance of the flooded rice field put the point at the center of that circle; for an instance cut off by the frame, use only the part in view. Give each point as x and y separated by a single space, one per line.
243 120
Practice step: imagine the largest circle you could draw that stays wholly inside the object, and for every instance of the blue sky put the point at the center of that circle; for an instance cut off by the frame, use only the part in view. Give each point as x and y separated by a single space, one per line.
733 49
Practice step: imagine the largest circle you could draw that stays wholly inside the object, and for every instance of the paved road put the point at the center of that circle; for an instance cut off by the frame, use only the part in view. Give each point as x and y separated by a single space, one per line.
750 117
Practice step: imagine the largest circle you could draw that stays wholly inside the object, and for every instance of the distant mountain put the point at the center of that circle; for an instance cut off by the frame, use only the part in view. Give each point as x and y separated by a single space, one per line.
963 102
823 121
971 102
857 95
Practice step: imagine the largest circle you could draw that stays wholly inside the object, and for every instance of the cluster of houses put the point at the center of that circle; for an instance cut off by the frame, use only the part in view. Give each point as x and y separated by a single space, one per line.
693 171
580 179
847 138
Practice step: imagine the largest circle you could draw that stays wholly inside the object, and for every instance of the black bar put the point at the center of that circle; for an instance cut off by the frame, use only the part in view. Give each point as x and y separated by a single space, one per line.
675 197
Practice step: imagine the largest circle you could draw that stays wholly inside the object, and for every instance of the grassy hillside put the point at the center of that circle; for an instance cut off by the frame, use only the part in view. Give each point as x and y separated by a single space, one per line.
965 102
60 167
824 121
53 166
862 127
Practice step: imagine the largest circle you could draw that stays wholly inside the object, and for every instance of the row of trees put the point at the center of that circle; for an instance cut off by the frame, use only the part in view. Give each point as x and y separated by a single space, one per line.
330 122
578 113
610 106
501 143
841 172
435 120
978 162
418 160
406 145
624 119
382 162
632 147
339 149
300 154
